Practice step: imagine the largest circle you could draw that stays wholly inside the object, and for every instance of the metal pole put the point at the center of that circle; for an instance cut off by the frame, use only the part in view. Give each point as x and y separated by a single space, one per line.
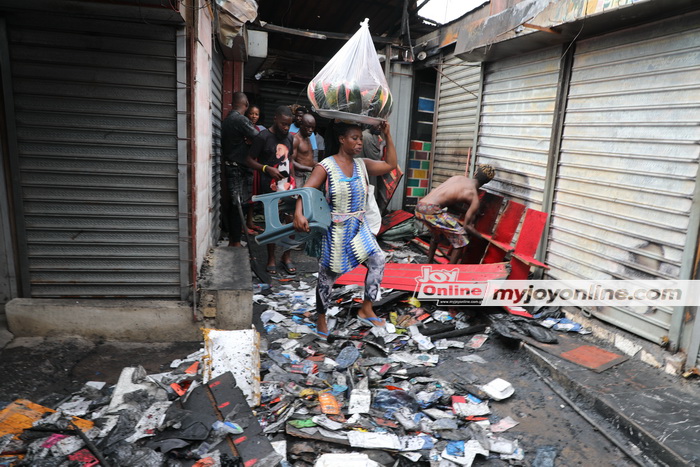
20 236
565 66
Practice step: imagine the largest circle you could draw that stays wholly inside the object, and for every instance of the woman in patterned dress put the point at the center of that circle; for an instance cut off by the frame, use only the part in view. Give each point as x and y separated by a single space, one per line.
348 242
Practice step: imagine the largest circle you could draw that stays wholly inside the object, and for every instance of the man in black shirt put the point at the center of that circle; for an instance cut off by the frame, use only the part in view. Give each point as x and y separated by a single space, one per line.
236 134
271 154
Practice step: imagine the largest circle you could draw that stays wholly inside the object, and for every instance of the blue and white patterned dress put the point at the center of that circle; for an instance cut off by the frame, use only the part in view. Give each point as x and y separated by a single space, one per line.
349 241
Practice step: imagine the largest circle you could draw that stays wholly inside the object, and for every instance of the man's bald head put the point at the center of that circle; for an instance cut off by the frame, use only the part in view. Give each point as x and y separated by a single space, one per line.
308 125
240 102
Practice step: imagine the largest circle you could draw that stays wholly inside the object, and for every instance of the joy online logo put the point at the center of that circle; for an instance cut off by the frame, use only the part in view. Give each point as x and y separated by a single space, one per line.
443 284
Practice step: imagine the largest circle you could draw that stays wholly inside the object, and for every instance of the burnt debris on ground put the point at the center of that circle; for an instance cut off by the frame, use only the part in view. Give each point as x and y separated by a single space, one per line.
433 387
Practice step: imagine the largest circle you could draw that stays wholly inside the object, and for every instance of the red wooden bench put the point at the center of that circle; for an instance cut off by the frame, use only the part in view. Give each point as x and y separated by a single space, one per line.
491 253
489 246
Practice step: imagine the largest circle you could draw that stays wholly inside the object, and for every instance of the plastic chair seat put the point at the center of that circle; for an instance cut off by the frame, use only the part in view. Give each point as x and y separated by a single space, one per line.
315 208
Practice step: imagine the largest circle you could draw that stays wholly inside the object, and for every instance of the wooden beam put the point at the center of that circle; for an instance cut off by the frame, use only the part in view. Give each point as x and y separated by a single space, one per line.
323 35
540 28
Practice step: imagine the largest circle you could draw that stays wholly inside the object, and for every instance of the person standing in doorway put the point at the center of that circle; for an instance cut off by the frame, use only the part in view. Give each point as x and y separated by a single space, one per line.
270 155
236 133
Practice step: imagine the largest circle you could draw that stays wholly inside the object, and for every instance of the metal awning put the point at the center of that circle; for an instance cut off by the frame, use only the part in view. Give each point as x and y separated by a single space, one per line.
537 24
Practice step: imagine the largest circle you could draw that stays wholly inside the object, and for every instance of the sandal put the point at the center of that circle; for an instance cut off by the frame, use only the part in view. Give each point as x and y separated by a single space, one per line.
322 336
271 269
289 268
371 322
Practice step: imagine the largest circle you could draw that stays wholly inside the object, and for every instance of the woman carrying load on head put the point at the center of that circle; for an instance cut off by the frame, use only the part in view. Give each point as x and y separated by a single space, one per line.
348 241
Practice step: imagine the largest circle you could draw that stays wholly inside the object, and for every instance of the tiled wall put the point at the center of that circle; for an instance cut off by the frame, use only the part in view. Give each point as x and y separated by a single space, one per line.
417 181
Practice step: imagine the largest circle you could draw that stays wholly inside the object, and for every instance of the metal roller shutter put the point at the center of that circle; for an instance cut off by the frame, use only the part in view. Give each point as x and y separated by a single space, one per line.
517 112
217 80
456 118
273 94
629 163
97 135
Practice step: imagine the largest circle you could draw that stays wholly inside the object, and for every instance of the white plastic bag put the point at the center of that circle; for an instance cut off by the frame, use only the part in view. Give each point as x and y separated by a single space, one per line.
352 81
373 217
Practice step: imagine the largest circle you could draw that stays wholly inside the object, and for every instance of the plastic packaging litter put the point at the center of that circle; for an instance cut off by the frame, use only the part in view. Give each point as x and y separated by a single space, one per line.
227 427
471 359
408 420
545 457
503 425
257 288
502 445
498 389
327 423
359 439
463 453
466 407
477 341
392 401
353 459
329 404
360 401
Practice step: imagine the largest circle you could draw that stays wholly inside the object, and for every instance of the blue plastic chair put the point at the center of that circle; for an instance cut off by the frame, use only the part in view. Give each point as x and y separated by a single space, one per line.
315 208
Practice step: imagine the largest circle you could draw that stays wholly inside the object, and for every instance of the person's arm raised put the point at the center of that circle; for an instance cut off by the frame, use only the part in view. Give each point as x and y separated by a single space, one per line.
375 168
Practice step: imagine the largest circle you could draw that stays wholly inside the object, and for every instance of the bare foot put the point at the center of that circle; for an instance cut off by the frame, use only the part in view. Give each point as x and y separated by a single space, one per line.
367 312
321 324
235 244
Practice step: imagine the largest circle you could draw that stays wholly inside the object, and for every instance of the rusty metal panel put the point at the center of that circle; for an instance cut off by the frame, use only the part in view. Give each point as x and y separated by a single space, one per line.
629 163
95 105
456 118
217 89
517 113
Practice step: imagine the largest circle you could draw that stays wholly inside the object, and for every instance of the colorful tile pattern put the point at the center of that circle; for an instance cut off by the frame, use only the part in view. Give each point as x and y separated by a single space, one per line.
418 171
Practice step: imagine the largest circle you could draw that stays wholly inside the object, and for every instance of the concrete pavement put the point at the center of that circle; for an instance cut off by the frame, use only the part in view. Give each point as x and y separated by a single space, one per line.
657 413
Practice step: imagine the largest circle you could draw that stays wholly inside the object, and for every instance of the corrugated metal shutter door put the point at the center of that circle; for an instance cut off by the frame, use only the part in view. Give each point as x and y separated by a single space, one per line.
272 95
517 111
217 80
628 164
456 118
96 123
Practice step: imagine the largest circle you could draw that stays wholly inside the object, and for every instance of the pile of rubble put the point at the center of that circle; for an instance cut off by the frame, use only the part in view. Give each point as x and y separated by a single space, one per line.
366 396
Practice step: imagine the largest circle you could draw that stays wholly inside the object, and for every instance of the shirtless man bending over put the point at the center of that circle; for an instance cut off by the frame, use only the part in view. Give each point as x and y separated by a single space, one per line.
303 153
432 209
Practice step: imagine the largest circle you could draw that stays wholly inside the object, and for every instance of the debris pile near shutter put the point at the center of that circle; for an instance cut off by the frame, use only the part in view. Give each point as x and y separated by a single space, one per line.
367 396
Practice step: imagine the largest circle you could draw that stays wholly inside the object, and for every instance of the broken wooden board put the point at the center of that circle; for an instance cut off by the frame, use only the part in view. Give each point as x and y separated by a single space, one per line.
237 351
403 276
583 354
393 219
316 435
252 445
